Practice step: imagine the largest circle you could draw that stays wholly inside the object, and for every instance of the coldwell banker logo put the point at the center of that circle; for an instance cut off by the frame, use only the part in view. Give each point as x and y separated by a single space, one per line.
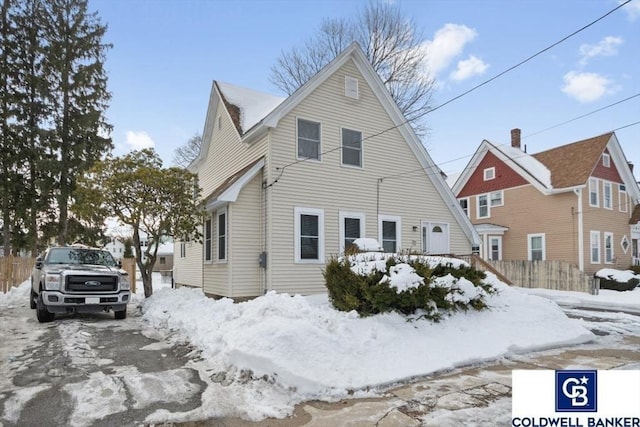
577 391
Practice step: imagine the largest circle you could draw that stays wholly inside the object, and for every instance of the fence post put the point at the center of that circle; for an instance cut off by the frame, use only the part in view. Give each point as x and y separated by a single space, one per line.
595 285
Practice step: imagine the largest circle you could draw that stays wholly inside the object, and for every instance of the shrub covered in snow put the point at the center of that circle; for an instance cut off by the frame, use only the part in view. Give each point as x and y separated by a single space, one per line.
617 280
374 282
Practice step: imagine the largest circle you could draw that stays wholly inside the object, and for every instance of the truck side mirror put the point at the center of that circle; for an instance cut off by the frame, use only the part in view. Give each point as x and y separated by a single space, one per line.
38 263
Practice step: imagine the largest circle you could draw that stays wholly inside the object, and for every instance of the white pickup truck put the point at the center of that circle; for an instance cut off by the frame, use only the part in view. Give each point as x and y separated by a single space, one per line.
80 279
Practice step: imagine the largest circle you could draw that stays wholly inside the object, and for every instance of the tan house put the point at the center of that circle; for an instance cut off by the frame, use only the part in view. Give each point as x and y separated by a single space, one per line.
288 183
572 203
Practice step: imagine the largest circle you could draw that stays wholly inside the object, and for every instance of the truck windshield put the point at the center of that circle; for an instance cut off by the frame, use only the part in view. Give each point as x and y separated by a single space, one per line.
80 256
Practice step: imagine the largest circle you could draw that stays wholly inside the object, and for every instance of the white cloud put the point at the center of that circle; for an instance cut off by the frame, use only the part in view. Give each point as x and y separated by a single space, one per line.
605 47
586 87
472 66
448 43
632 9
139 140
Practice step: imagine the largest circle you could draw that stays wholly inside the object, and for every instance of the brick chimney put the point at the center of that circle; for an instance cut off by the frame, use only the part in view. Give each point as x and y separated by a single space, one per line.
515 138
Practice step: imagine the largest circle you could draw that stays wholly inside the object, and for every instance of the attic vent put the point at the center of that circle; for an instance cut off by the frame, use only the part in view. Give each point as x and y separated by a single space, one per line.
351 87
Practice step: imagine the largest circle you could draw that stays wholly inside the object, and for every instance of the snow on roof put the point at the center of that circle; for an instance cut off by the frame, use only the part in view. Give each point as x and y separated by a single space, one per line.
528 163
253 105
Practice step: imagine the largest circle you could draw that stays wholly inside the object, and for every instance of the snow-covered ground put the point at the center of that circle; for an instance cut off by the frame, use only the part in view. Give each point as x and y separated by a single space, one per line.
268 354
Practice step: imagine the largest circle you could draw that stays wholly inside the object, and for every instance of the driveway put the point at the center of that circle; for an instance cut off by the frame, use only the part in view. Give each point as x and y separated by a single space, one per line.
92 370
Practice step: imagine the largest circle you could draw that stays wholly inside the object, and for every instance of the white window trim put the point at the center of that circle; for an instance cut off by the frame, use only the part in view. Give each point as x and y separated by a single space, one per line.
625 238
594 182
398 222
309 159
204 240
478 206
349 84
356 215
501 198
183 250
297 211
361 149
622 194
593 233
604 245
489 173
544 245
606 160
605 185
226 236
499 239
468 209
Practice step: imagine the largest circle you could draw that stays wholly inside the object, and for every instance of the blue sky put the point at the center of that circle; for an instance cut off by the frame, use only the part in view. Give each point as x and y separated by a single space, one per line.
167 53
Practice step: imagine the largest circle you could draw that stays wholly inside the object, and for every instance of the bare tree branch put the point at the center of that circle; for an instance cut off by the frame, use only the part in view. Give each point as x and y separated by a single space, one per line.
391 42
187 153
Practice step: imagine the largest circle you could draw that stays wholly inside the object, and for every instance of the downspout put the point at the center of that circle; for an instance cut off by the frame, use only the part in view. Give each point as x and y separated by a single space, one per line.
578 192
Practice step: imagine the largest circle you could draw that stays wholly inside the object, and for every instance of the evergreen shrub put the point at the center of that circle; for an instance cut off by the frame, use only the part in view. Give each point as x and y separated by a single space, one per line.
372 293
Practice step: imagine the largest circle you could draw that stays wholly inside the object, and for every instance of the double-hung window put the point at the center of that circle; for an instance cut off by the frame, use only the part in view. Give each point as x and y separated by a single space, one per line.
351 148
308 139
607 203
389 233
464 204
594 194
595 247
309 235
496 198
483 206
207 239
536 246
351 228
622 198
608 248
222 235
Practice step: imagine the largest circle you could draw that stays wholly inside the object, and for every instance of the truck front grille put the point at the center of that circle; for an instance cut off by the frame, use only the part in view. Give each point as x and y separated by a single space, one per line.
87 284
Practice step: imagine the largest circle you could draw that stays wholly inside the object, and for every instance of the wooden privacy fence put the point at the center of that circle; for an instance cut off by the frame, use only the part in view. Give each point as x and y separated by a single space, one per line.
14 271
129 265
555 275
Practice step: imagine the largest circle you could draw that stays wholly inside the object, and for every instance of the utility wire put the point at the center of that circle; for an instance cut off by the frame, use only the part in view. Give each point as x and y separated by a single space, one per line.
282 169
582 116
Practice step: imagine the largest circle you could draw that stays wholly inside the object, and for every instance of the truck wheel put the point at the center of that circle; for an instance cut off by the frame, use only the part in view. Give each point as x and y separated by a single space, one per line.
120 314
41 311
32 300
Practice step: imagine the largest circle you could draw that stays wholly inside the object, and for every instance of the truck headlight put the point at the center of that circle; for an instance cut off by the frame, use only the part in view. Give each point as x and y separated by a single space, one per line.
52 282
124 283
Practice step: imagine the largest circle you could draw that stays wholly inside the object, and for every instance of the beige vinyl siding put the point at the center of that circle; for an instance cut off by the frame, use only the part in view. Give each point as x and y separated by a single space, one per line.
525 211
217 273
245 240
188 271
332 187
606 221
227 154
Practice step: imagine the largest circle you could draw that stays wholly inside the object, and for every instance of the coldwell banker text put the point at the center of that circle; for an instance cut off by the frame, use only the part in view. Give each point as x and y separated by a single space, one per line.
575 422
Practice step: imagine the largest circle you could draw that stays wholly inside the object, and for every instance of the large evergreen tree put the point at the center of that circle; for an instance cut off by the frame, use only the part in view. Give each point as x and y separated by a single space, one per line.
74 66
32 110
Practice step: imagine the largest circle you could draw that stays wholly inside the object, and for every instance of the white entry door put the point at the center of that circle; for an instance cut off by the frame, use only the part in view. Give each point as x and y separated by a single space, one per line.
435 237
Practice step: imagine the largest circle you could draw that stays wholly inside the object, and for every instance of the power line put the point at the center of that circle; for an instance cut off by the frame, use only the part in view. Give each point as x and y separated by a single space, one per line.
282 169
582 116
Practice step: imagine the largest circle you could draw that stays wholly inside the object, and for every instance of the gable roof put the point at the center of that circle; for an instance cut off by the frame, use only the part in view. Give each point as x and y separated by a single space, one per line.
250 131
247 106
559 169
572 164
229 190
525 165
